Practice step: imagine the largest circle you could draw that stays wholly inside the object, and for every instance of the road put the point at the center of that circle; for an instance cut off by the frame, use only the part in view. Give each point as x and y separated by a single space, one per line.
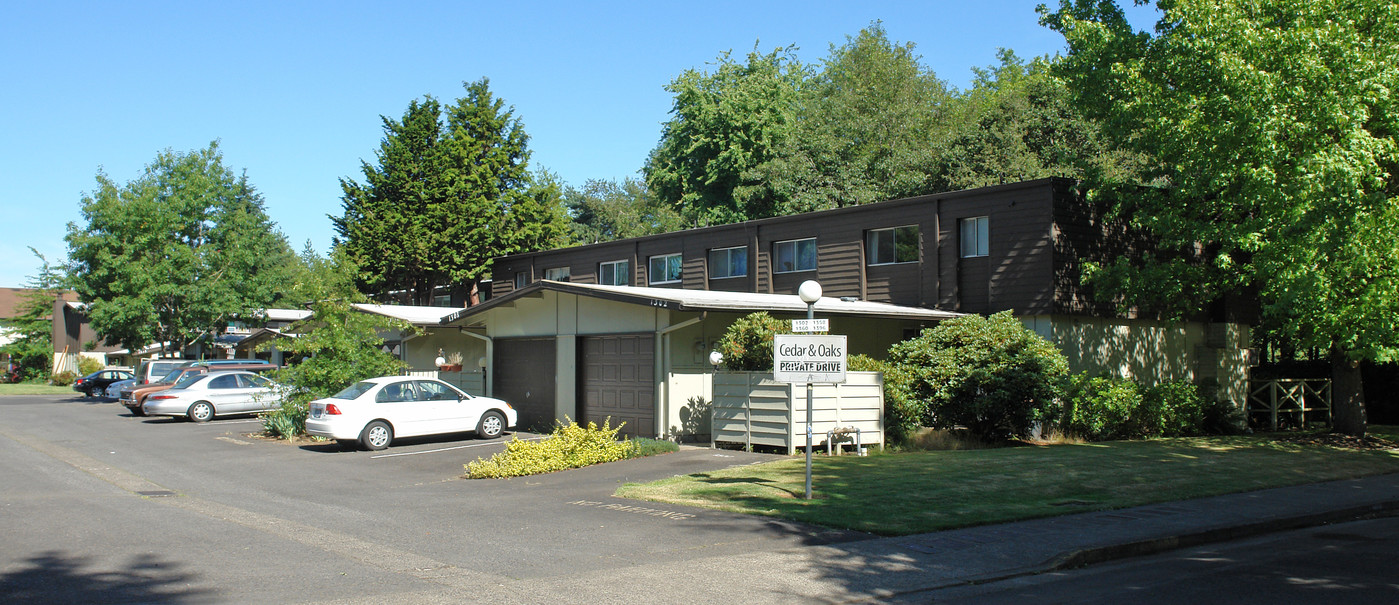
1351 563
101 506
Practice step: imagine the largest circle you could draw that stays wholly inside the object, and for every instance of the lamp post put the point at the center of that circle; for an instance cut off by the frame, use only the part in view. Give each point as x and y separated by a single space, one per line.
809 292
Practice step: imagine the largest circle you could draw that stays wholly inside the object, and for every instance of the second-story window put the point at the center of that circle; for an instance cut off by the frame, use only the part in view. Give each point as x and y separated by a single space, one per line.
665 269
888 246
794 255
556 274
614 273
521 279
728 262
975 235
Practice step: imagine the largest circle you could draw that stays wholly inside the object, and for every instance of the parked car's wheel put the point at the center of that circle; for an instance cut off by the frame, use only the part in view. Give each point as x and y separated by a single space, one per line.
137 411
492 424
376 435
201 411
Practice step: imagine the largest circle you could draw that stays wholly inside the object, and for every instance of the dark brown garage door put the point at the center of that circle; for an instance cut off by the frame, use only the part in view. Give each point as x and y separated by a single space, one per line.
524 378
618 382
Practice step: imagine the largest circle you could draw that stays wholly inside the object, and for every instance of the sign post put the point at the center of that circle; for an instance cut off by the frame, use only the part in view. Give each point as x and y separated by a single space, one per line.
802 358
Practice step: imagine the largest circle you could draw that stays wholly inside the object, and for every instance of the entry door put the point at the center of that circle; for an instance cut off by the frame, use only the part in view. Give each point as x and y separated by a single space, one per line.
524 377
618 382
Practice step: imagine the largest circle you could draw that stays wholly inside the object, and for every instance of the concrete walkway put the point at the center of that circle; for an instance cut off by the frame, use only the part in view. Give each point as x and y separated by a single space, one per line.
881 569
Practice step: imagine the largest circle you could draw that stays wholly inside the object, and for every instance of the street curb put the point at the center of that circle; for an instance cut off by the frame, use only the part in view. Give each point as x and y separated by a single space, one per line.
1090 556
1102 554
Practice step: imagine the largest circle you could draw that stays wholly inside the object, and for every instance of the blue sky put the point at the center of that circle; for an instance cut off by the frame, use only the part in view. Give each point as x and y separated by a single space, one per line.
294 90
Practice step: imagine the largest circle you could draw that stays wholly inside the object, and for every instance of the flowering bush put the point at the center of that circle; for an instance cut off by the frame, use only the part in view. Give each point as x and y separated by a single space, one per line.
569 446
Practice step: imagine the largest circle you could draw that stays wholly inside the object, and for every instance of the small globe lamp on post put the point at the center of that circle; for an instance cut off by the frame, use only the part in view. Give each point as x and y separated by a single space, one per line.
809 292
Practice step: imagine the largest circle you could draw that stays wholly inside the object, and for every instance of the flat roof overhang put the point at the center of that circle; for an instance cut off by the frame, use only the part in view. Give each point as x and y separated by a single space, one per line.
675 299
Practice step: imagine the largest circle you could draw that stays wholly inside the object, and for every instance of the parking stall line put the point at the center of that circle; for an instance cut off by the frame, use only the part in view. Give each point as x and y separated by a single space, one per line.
448 449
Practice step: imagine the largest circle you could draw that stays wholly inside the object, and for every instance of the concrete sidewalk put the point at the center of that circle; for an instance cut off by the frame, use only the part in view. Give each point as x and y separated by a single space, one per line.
879 569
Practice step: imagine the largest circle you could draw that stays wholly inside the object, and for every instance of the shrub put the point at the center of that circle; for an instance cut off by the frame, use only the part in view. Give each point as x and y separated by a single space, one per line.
747 344
642 447
990 374
1102 408
569 446
288 420
88 365
63 379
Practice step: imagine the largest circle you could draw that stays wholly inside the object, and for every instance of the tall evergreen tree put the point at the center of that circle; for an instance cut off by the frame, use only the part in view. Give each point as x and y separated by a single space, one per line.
451 191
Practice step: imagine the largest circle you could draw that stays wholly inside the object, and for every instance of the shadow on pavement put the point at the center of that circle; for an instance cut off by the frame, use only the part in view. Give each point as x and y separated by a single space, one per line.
53 577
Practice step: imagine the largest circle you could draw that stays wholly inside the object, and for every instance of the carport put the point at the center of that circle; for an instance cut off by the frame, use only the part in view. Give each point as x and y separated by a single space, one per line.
588 352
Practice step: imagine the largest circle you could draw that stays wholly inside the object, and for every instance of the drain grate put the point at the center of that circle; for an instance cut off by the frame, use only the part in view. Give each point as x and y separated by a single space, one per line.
160 493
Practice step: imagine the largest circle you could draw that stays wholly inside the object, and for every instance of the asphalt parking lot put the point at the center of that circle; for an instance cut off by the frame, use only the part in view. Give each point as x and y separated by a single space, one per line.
165 510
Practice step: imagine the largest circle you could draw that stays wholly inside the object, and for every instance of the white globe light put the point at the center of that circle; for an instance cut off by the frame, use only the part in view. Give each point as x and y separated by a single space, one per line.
715 358
809 291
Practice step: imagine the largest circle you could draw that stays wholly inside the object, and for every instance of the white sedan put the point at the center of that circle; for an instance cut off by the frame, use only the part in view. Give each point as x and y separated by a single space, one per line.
204 396
375 411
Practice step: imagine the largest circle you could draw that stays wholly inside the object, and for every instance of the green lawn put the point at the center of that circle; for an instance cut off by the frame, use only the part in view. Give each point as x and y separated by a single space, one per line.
26 388
915 492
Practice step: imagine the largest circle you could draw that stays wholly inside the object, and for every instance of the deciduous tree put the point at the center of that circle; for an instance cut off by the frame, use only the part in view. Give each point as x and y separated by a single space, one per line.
172 256
724 124
1274 127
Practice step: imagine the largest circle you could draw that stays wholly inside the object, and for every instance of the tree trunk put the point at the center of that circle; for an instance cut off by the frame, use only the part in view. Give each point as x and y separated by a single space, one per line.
1347 395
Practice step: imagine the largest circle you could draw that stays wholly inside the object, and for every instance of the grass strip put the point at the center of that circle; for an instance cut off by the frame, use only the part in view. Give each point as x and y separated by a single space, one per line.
916 492
28 388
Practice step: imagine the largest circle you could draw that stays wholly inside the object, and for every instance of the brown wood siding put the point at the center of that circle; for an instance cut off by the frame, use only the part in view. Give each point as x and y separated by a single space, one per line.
899 284
1030 268
1018 269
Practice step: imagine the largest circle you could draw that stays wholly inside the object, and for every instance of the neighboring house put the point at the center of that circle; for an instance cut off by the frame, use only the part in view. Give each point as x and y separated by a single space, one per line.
246 341
73 337
1017 247
11 301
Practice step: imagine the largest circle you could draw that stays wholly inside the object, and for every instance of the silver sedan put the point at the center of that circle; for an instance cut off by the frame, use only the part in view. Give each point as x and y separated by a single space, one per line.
201 397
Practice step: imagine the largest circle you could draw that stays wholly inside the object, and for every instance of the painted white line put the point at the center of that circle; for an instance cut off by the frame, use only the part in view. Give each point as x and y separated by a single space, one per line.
448 449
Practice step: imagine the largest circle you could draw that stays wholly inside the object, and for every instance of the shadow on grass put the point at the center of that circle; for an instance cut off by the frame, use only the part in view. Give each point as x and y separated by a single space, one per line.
54 577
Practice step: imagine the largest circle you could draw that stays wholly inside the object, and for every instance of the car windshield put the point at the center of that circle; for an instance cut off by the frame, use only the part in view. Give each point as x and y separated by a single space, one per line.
354 390
171 377
188 379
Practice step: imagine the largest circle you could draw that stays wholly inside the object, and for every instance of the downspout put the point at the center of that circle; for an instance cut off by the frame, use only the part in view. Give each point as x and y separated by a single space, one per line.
490 360
662 362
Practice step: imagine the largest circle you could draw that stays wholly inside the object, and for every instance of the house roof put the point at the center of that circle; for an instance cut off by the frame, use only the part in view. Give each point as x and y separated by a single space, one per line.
709 300
418 316
285 314
12 298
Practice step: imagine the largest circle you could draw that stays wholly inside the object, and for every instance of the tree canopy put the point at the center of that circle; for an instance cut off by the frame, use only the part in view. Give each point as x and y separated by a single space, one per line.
1273 129
604 211
774 136
723 125
451 191
173 255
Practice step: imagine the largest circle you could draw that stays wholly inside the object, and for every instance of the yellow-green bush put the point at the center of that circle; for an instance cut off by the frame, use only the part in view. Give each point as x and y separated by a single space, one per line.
569 446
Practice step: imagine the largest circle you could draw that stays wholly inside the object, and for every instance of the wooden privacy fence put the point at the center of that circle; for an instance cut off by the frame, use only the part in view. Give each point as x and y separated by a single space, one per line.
751 408
1289 402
